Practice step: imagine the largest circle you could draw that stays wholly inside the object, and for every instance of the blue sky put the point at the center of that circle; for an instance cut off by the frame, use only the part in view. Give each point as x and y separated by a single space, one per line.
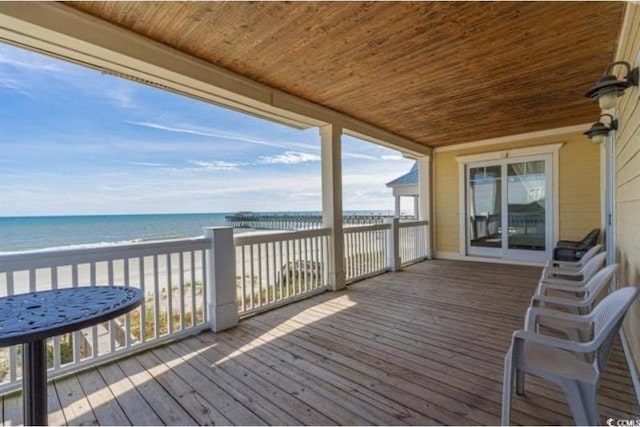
76 141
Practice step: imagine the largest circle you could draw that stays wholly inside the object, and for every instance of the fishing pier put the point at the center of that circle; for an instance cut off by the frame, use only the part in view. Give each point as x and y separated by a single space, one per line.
259 221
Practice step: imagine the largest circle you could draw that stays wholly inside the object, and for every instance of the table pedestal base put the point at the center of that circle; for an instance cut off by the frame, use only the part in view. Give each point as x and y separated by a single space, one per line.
34 383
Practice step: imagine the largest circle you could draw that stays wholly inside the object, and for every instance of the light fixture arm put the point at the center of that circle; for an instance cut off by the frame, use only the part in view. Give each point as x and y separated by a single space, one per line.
613 122
633 75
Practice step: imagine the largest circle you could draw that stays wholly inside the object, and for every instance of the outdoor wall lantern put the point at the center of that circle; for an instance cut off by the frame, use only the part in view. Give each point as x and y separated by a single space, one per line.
599 131
608 88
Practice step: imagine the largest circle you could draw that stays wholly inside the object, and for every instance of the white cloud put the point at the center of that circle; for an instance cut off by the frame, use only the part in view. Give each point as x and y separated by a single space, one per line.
23 60
215 165
148 164
215 133
392 157
120 97
288 158
359 156
14 85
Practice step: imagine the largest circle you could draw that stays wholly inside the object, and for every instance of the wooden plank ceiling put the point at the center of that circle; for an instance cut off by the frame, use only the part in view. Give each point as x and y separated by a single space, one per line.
439 73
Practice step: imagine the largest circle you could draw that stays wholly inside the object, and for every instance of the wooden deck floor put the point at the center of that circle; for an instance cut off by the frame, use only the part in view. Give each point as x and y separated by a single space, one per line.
421 346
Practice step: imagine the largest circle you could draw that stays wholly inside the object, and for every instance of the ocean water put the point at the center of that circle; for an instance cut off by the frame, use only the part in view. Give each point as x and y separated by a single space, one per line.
25 233
28 233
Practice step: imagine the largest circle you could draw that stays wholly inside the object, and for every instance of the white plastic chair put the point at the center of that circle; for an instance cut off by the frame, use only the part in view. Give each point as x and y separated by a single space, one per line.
578 305
580 279
574 265
586 296
559 361
558 273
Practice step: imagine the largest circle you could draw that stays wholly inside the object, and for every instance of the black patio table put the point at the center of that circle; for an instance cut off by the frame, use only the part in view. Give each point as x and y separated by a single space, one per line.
29 319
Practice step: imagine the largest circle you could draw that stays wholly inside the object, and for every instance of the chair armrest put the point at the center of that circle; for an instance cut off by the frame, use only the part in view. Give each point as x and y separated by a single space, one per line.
536 301
564 265
534 312
577 347
562 269
565 254
568 244
573 289
559 281
557 273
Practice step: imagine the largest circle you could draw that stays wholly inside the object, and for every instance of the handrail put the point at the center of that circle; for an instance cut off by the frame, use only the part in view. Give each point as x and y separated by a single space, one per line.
248 239
364 228
404 224
49 258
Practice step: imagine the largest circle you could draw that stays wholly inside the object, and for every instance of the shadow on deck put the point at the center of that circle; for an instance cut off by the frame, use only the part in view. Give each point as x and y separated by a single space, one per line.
421 346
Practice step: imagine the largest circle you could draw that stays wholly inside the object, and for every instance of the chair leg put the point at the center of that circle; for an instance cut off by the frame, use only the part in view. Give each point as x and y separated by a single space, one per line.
576 403
589 394
519 382
507 383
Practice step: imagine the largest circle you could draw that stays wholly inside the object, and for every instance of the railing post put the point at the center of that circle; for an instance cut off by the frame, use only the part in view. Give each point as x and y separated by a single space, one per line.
331 151
393 244
221 279
424 198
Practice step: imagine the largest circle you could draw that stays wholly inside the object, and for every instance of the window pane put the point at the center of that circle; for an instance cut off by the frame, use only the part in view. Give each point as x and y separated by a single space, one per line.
485 206
526 187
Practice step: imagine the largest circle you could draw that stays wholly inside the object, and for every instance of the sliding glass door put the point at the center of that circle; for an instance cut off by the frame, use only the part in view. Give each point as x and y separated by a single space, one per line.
508 208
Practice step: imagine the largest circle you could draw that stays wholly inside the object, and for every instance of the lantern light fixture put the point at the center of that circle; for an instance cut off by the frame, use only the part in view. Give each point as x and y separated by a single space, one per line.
608 88
599 131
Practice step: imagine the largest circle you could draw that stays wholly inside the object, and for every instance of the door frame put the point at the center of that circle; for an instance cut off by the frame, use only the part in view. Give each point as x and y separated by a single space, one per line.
504 251
464 160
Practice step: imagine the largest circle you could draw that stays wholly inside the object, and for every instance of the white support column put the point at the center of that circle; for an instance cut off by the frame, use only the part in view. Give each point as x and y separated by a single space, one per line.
393 244
397 206
416 207
331 151
221 279
424 198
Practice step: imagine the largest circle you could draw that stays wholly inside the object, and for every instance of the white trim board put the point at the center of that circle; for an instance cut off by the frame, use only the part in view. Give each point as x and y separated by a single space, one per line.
513 138
507 154
61 31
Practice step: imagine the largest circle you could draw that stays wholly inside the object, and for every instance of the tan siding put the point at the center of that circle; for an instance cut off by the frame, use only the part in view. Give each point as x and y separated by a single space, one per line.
447 196
579 185
628 179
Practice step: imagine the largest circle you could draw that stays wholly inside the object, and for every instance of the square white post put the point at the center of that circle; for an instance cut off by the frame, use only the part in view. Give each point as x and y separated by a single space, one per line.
424 198
393 244
221 279
397 206
331 151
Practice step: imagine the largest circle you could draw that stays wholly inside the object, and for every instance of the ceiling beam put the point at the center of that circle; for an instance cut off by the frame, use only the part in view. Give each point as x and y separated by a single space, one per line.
61 31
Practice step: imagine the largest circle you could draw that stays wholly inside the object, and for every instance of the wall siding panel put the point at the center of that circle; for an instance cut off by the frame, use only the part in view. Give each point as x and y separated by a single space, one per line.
628 179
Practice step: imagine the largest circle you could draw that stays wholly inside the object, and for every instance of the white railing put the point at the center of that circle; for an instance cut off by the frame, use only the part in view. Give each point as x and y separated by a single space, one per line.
365 251
170 273
414 244
273 269
184 294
